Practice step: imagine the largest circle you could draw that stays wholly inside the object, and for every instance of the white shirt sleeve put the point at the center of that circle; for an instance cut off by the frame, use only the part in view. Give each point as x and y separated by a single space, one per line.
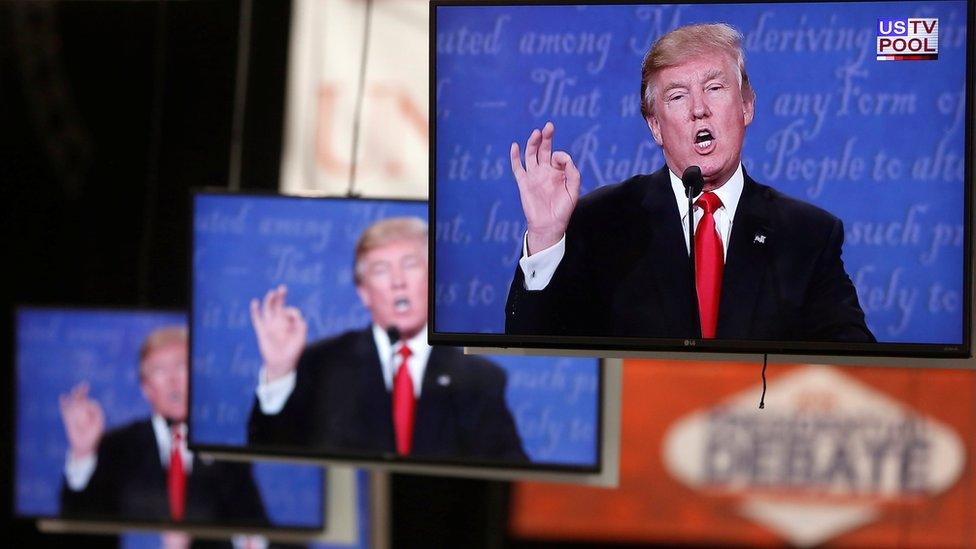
538 268
77 472
272 396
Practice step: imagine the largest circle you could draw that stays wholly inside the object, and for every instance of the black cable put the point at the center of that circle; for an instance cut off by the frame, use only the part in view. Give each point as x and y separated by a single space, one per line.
152 161
695 300
763 397
244 25
358 114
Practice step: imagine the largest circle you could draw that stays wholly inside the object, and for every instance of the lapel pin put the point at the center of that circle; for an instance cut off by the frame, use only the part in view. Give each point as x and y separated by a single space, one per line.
444 381
759 239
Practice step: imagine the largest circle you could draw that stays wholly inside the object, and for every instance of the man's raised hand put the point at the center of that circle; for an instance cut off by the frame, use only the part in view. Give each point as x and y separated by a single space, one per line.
548 185
281 332
84 421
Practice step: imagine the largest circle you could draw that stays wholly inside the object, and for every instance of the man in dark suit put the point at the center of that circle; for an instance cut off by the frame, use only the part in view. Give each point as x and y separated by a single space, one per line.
617 263
382 390
143 470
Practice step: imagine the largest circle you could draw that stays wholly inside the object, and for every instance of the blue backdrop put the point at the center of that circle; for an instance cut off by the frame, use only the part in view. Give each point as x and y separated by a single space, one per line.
879 144
245 245
57 349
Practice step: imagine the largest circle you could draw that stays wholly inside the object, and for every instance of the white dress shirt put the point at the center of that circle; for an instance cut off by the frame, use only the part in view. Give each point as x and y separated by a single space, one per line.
728 193
538 269
78 471
273 396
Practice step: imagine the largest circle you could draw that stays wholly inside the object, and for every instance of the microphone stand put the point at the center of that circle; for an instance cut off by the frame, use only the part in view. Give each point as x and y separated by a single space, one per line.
691 235
394 334
693 183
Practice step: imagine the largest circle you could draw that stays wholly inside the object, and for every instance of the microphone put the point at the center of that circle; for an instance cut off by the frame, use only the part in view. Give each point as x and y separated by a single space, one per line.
694 183
394 334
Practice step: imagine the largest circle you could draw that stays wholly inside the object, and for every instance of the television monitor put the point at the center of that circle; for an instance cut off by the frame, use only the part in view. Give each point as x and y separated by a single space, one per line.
847 230
352 520
301 308
94 390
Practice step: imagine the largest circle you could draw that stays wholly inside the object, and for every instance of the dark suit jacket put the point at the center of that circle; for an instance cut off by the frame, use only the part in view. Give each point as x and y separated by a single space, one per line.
129 482
626 271
340 404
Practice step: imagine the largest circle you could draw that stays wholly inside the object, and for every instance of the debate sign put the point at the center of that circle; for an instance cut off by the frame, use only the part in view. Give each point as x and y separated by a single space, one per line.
823 457
858 457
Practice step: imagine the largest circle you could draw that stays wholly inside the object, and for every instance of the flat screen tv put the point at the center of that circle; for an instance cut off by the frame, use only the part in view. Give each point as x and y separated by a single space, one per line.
352 507
827 147
302 310
101 396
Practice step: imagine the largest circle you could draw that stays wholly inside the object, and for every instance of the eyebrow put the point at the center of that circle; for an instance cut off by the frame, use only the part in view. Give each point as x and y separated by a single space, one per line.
671 86
712 74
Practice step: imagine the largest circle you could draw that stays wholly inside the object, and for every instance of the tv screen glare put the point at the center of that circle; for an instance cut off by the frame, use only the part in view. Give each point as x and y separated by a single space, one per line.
329 280
98 386
832 212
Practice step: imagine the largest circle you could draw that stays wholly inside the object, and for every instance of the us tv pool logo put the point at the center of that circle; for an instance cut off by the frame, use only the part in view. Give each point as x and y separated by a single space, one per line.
911 39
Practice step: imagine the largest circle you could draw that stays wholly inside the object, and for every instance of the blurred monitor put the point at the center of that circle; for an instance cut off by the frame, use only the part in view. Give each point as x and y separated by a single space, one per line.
101 399
847 230
352 521
303 309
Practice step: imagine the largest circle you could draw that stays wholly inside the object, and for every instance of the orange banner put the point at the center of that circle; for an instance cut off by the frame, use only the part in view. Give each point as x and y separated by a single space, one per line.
848 457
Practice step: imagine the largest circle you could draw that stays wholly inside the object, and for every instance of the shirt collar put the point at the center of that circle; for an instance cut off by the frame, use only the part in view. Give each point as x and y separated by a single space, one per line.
417 365
418 343
729 193
164 440
164 436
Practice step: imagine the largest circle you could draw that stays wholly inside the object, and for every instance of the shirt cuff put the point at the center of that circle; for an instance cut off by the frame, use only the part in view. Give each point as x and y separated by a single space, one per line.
537 269
78 471
273 395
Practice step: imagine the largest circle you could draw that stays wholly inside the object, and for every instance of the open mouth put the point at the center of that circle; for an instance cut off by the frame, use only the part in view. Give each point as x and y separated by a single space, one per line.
401 305
703 139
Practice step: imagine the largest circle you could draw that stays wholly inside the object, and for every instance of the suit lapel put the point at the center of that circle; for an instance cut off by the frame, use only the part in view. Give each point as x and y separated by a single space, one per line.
667 249
155 494
434 406
746 262
375 405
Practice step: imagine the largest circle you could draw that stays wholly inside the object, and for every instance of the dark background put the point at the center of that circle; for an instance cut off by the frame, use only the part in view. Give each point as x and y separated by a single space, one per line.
111 113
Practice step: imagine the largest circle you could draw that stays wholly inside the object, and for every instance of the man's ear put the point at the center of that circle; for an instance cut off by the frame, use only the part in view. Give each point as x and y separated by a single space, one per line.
655 127
748 109
363 296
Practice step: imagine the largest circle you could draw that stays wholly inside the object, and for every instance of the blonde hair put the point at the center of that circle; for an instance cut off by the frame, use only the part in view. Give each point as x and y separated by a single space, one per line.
381 233
158 338
687 42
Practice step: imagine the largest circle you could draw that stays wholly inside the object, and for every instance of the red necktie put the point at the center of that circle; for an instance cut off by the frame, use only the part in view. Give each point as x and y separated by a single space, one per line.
177 478
709 263
404 403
